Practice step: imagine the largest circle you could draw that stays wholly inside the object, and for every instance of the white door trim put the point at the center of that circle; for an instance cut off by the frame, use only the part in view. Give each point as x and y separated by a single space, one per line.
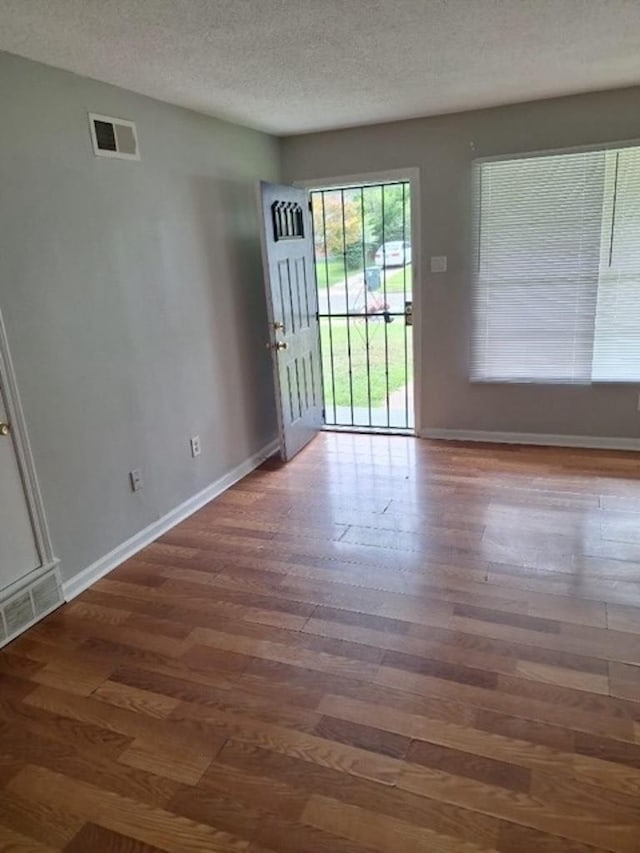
412 175
15 414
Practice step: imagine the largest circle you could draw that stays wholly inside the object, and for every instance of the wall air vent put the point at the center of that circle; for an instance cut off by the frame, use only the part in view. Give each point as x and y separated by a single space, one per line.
20 610
113 137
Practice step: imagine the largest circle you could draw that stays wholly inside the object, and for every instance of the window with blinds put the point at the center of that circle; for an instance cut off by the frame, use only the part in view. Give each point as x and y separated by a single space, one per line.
557 268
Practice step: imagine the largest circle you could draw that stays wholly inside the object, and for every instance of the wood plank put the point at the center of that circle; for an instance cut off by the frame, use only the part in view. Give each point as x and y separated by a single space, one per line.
276 705
21 746
622 617
169 761
586 757
97 839
539 707
161 732
265 831
514 838
501 773
135 699
281 653
37 821
149 824
386 645
624 681
578 822
248 786
91 738
16 842
591 682
382 833
268 768
316 750
366 737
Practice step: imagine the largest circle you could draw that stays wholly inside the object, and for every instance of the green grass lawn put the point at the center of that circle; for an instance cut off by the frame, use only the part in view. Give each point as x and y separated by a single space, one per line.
330 272
398 377
396 278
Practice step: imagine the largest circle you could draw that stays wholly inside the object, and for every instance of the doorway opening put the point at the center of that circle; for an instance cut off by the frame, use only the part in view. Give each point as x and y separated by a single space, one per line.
364 275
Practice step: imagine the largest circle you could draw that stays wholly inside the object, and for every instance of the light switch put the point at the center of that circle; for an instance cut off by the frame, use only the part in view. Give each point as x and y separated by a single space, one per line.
438 263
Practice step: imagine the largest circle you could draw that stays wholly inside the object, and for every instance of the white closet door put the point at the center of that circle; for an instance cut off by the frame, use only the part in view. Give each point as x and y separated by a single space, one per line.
18 551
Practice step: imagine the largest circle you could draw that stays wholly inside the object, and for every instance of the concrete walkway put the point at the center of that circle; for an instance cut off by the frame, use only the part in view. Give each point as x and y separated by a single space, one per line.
333 300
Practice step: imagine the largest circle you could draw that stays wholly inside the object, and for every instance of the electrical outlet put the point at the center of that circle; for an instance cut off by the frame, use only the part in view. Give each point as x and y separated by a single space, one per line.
135 478
195 446
438 263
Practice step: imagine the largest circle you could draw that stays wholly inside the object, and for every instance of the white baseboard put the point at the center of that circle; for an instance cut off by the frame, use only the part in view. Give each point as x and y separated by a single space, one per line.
84 579
543 439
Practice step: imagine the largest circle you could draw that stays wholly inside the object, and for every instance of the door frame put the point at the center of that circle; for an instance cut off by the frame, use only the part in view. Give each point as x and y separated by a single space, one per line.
412 176
26 467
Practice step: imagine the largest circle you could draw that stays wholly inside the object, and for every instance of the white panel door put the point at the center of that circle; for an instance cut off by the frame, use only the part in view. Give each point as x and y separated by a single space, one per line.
18 551
292 304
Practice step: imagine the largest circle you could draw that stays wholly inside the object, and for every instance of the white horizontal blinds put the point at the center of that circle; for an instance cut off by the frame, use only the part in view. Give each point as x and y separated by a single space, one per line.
538 257
616 352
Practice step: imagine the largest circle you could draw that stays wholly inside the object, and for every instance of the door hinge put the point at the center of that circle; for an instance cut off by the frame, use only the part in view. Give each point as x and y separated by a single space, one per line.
310 206
324 414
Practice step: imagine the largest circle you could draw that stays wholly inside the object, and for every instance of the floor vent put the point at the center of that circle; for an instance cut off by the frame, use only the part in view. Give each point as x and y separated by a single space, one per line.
24 608
113 137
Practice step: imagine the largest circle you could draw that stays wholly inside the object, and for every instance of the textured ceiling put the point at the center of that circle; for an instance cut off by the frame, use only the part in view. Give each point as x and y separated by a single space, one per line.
289 66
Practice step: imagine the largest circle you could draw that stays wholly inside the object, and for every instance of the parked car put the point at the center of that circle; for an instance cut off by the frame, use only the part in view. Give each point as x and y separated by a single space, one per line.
396 253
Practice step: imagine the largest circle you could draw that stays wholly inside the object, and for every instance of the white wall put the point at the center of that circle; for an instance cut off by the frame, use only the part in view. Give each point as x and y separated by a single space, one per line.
443 148
133 297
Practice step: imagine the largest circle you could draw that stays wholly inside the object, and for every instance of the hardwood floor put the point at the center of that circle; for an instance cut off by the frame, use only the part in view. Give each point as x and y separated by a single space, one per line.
387 645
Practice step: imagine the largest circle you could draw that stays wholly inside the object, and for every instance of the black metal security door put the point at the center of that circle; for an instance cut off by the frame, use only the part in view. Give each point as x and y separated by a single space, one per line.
363 259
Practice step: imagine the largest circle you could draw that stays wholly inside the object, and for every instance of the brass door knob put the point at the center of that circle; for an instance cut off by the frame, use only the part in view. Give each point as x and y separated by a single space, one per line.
278 345
4 429
278 326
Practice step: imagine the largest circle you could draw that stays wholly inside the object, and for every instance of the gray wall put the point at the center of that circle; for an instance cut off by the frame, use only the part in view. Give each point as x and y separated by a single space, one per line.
133 297
443 149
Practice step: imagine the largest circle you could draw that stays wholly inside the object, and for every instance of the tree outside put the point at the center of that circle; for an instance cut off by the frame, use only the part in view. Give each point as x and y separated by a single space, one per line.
349 234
